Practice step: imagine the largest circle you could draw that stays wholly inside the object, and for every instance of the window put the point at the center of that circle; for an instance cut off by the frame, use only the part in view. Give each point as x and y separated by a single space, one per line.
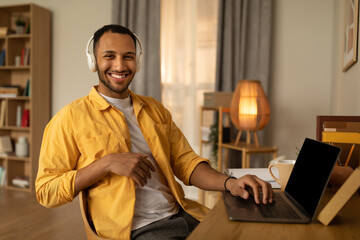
188 60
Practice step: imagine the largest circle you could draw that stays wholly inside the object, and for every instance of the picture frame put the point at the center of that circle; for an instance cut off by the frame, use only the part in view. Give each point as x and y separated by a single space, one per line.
350 33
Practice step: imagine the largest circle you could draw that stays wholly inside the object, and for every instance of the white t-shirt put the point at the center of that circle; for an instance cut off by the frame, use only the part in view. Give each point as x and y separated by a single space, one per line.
154 201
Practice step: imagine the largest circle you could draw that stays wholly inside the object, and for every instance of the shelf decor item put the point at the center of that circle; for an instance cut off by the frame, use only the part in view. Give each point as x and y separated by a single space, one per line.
250 110
22 147
20 25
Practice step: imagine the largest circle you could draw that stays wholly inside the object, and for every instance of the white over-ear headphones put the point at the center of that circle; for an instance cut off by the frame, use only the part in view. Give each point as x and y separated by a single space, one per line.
91 58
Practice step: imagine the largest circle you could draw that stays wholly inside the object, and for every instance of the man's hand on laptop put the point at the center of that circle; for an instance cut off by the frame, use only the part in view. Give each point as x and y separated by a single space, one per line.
251 185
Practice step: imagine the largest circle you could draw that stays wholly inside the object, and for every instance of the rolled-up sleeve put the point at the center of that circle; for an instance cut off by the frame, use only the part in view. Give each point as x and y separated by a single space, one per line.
183 158
55 182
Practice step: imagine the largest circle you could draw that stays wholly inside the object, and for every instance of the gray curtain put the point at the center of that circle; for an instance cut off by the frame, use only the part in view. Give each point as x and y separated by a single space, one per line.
143 18
243 51
244 42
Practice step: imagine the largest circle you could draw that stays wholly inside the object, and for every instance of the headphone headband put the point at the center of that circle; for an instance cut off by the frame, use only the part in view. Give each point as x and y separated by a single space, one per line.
91 58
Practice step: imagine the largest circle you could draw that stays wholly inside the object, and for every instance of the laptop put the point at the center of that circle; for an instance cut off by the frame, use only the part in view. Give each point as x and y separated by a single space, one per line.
301 197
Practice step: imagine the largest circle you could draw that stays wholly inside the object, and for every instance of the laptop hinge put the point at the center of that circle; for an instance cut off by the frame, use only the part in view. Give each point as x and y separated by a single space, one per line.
297 205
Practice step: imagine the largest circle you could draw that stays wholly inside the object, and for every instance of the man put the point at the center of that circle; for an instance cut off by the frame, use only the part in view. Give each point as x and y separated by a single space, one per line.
124 149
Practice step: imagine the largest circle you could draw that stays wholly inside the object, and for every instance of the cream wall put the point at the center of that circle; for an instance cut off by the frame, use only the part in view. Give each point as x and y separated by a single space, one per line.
73 22
346 84
304 64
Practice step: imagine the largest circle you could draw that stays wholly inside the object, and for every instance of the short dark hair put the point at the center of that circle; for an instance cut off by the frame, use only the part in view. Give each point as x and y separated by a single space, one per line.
114 28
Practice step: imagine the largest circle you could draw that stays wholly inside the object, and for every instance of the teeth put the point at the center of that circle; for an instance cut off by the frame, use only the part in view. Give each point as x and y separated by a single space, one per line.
117 76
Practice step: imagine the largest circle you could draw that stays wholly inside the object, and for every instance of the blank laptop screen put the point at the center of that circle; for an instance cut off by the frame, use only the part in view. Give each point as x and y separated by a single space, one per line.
317 160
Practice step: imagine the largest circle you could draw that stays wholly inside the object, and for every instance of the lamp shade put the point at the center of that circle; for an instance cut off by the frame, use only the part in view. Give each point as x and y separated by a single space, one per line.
249 108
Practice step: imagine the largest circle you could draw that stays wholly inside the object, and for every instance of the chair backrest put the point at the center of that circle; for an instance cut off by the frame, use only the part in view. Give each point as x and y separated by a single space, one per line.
89 227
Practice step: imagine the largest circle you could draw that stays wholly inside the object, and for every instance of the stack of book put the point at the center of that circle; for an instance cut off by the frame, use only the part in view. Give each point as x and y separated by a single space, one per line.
22 182
9 91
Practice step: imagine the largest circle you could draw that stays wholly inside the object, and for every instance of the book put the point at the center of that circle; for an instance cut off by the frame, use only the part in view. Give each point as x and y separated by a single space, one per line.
9 91
330 126
12 89
26 91
2 57
2 113
27 56
25 122
22 57
341 137
22 182
6 144
3 177
1 172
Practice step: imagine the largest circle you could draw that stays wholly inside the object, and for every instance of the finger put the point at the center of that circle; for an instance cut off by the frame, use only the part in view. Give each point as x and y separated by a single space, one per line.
256 191
147 162
137 180
255 187
263 188
149 165
141 174
140 178
143 166
267 192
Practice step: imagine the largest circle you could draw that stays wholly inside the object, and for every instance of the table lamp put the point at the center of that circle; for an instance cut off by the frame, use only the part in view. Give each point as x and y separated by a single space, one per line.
249 110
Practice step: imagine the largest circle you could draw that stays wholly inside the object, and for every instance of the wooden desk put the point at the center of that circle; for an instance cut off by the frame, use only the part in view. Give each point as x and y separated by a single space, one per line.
344 226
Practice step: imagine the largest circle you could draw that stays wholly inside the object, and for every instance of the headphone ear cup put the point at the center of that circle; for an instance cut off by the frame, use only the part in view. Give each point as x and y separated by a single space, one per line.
90 57
91 62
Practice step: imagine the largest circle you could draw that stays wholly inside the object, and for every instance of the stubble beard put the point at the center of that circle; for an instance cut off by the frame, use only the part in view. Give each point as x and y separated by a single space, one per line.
110 87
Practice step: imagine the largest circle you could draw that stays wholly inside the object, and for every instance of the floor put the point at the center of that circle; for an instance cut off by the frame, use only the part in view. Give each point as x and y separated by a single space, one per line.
22 217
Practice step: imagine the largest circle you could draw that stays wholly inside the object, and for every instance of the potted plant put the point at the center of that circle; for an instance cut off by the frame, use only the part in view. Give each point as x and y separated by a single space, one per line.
20 25
213 138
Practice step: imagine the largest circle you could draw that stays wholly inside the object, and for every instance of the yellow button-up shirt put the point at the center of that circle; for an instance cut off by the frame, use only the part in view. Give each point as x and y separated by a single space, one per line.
90 128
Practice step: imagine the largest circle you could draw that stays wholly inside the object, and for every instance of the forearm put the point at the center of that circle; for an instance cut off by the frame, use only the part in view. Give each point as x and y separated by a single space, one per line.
91 174
207 178
132 165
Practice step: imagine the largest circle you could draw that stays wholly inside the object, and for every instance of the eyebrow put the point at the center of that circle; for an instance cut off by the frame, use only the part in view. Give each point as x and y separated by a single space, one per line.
110 51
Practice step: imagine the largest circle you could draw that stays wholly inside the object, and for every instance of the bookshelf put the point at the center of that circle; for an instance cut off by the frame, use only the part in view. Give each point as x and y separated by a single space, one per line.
27 66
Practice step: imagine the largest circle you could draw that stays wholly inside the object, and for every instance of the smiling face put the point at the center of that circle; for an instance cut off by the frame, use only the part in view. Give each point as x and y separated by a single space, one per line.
116 64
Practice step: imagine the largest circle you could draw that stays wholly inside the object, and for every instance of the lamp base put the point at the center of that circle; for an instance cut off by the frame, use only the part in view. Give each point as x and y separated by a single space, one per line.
248 137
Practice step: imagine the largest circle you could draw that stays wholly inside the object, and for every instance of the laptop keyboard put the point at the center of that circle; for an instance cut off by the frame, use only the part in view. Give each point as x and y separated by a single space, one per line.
278 209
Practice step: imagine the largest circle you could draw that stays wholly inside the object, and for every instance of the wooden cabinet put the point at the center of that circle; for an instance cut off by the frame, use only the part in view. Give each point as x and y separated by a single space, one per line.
27 66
